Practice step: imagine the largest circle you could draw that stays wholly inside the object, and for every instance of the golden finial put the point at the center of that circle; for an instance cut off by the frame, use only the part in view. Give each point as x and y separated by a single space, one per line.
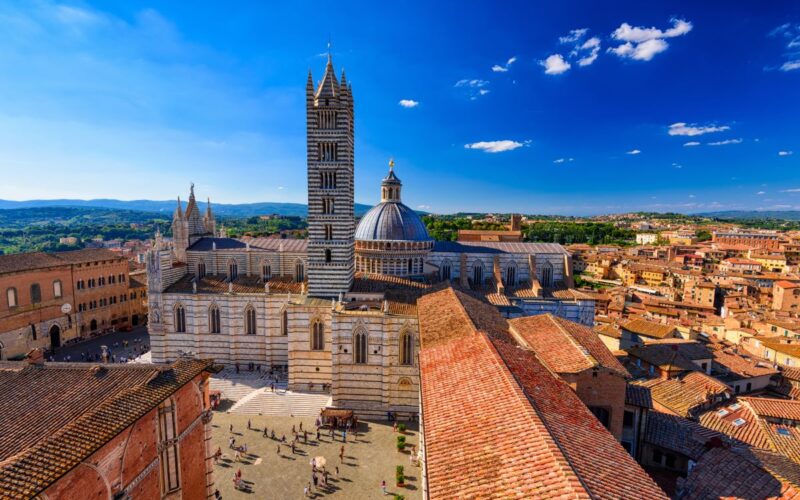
391 164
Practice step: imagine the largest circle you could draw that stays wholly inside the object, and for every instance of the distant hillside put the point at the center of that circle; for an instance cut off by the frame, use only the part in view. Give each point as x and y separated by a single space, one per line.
790 215
167 207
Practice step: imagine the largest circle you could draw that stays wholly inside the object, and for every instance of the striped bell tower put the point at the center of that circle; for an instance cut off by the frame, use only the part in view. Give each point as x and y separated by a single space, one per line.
331 220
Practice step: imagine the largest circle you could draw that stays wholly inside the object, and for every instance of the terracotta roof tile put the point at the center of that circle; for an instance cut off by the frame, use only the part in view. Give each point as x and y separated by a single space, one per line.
648 328
686 393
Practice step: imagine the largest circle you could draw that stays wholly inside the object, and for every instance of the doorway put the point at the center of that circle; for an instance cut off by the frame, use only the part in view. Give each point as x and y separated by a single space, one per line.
55 337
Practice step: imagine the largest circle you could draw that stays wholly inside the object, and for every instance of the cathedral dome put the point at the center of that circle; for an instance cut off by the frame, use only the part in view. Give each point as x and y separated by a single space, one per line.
392 221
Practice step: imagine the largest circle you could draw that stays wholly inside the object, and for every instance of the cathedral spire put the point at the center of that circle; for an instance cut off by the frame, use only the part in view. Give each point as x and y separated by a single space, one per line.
329 86
390 186
178 210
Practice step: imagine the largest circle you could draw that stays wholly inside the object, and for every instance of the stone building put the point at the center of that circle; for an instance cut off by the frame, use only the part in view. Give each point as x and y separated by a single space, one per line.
337 311
111 431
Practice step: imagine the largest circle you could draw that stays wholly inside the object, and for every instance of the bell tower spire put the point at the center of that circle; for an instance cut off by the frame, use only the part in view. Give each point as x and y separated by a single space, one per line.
331 220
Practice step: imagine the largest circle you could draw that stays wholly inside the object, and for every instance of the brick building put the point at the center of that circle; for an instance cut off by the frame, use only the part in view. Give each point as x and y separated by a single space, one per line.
786 296
51 298
112 431
753 240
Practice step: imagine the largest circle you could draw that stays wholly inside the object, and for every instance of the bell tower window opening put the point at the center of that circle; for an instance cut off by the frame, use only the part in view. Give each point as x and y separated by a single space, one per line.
328 151
327 255
328 232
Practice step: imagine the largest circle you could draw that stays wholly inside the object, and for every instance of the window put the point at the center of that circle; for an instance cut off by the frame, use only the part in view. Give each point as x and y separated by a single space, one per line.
327 255
201 269
168 443
410 269
233 270
511 275
250 321
406 349
299 271
627 419
11 297
328 232
57 289
266 271
36 293
180 319
361 348
445 270
670 460
547 275
328 206
284 322
33 331
657 456
749 387
213 319
602 414
317 336
477 274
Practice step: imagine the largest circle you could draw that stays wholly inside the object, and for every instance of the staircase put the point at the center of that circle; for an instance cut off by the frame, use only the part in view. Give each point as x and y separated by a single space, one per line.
281 403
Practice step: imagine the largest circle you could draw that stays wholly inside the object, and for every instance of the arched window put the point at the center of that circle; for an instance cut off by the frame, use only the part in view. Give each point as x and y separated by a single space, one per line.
299 271
360 347
201 269
477 274
213 319
511 275
233 270
327 255
406 349
266 271
36 293
180 319
11 297
250 321
284 322
410 269
317 336
547 275
57 289
444 271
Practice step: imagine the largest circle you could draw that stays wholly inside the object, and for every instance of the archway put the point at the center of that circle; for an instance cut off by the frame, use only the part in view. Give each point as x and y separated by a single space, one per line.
55 337
93 325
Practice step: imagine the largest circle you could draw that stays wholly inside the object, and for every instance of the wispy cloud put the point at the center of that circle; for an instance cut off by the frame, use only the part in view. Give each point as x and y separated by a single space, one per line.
677 165
497 68
574 35
760 193
785 153
408 103
633 152
555 64
588 51
690 144
642 44
474 87
681 128
563 160
790 34
496 146
726 142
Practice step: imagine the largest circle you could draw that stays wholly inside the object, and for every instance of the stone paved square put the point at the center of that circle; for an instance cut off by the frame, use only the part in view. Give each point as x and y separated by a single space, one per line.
368 460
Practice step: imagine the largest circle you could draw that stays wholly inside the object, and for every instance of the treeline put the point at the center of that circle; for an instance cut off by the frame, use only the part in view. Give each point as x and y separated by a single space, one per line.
265 226
444 228
567 233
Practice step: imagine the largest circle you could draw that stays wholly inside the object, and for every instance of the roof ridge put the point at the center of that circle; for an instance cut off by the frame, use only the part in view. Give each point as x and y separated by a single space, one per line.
582 348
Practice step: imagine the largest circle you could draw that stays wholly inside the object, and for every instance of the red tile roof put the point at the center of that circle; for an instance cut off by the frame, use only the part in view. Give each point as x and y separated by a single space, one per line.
564 346
648 328
498 424
686 393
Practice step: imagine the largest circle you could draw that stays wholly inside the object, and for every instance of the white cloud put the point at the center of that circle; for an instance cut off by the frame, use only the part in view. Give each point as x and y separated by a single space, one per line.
574 35
794 190
633 152
761 193
593 46
676 165
692 196
281 188
483 91
408 103
502 69
474 83
563 160
496 146
642 44
423 207
690 144
725 142
791 65
681 128
555 65
785 153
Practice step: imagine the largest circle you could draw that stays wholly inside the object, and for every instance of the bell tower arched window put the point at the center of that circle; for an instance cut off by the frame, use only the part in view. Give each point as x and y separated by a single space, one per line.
250 321
233 270
266 271
213 319
180 319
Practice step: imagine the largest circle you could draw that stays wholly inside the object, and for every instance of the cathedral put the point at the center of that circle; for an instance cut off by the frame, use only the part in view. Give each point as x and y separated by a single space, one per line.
336 311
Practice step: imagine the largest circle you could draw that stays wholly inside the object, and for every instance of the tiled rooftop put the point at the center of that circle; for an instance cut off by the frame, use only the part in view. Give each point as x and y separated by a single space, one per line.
648 328
685 393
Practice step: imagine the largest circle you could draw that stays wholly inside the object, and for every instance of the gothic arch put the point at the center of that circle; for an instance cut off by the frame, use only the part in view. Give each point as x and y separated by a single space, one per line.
360 345
201 268
179 317
214 323
446 270
266 269
547 275
406 347
250 320
317 334
510 275
233 269
299 270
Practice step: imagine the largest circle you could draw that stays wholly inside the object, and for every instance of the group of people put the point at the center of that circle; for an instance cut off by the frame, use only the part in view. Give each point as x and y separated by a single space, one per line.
138 348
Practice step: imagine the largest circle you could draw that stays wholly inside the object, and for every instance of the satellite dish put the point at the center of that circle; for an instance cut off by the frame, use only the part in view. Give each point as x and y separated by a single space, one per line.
66 308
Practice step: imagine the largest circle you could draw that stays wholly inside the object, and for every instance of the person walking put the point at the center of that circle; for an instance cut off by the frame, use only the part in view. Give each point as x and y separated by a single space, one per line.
317 434
237 457
249 427
337 472
341 455
383 487
279 450
301 426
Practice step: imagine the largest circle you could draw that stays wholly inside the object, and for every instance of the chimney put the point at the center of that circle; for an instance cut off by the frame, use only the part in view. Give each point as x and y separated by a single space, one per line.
35 357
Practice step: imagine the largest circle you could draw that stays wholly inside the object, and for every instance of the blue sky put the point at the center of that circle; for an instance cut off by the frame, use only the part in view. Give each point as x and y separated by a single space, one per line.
563 107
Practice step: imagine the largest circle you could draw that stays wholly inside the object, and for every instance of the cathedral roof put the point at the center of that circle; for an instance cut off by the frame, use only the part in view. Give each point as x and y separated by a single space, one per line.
391 221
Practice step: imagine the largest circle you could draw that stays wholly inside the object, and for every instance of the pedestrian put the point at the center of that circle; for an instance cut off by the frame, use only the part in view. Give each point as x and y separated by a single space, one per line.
344 436
337 471
283 438
383 487
248 424
231 442
237 457
314 478
279 449
341 455
317 433
217 495
294 430
265 434
272 434
272 387
305 492
301 426
231 428
305 437
292 446
239 473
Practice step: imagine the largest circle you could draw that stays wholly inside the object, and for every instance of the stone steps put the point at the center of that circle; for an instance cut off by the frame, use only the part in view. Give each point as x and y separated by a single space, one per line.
282 403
